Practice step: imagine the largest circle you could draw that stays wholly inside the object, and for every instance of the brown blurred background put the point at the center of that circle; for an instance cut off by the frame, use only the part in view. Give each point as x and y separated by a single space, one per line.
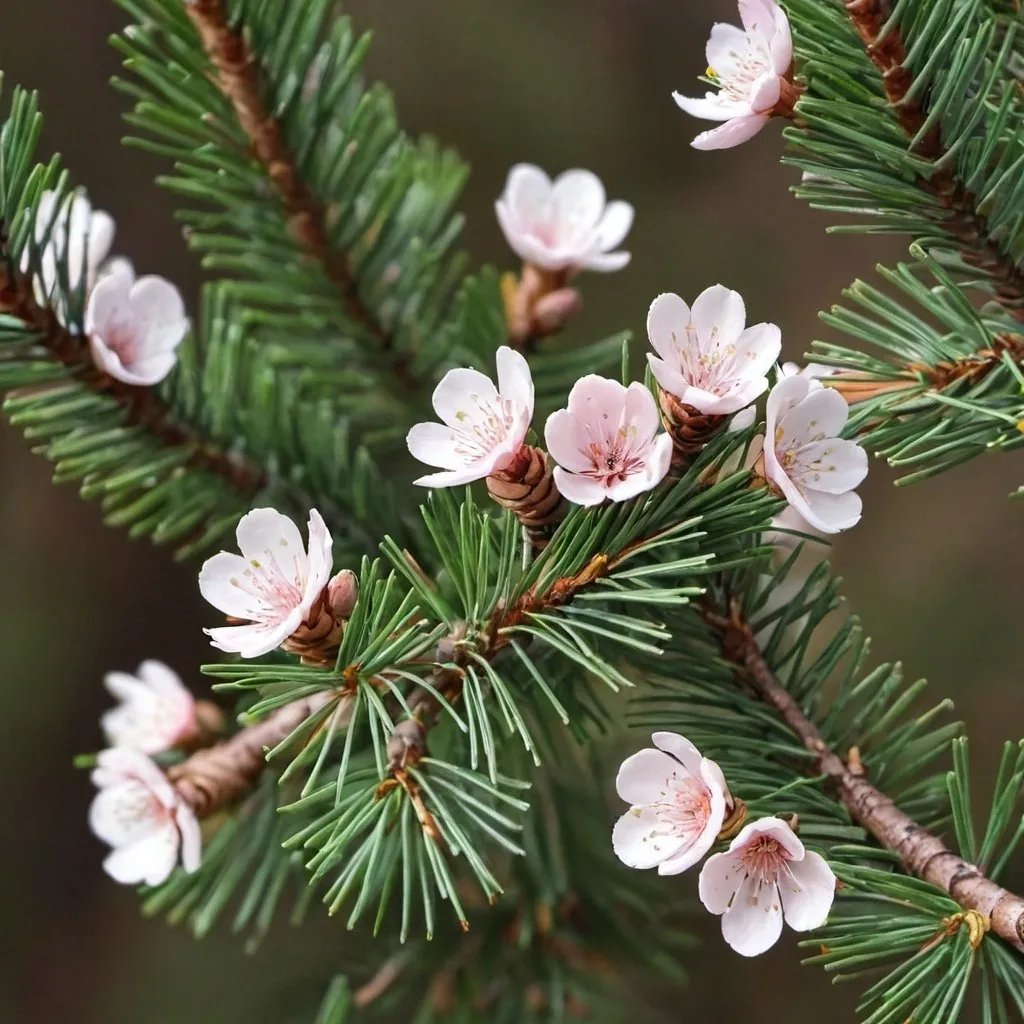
934 571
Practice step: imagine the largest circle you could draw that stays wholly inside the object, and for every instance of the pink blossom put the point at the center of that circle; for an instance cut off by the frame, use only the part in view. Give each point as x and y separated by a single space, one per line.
749 66
606 443
708 358
805 458
564 226
766 875
482 428
134 327
140 814
273 585
679 802
156 712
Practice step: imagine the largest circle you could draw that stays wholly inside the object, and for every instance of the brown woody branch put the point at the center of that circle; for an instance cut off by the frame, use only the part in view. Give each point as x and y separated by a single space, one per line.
143 405
964 221
237 75
922 853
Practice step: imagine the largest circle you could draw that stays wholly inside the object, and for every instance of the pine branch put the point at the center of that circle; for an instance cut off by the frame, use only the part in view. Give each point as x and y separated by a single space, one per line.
921 853
237 74
886 49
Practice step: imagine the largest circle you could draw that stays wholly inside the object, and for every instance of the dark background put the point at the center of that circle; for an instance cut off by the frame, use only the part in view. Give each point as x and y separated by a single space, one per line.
934 571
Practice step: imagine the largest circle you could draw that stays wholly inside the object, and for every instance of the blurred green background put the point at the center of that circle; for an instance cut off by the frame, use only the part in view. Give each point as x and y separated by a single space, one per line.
934 571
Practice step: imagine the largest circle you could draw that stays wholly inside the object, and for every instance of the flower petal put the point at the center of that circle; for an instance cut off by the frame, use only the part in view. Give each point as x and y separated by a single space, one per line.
681 749
639 842
719 880
150 860
191 838
667 320
718 315
319 561
581 490
757 349
834 465
713 106
613 227
644 776
460 393
270 540
515 382
579 199
830 513
733 133
457 477
605 263
641 411
595 400
764 93
255 639
527 192
821 413
753 923
567 441
434 444
224 584
807 893
725 43
774 827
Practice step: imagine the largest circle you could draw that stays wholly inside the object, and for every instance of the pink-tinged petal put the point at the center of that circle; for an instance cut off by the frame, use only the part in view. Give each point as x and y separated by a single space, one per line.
159 313
119 266
641 410
713 106
643 777
639 483
732 133
268 538
150 860
821 413
515 382
434 444
781 45
639 841
108 300
253 640
757 349
830 513
320 559
713 775
110 363
681 749
777 829
785 397
512 230
719 879
615 224
457 477
758 18
834 465
667 320
807 893
595 399
743 419
123 686
191 838
527 192
753 924
459 394
674 382
121 812
579 200
701 843
718 315
101 238
223 583
605 263
724 43
660 460
581 490
150 371
567 441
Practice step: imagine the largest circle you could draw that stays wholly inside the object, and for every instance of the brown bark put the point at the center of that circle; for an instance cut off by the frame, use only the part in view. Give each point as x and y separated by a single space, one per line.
922 853
237 75
964 221
143 405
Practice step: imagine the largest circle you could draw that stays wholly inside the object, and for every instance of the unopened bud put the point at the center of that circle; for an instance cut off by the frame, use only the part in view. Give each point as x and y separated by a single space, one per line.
407 743
342 593
554 310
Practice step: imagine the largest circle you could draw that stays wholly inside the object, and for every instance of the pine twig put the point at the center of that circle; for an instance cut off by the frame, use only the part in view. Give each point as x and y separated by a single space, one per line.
143 405
888 53
921 853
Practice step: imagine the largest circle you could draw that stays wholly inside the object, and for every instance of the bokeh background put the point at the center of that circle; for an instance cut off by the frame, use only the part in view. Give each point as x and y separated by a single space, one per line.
934 571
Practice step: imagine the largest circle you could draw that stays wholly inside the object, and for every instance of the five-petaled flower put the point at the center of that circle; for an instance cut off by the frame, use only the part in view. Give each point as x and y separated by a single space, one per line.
140 814
563 226
134 327
606 442
273 585
483 427
766 875
749 66
679 803
708 359
156 712
814 469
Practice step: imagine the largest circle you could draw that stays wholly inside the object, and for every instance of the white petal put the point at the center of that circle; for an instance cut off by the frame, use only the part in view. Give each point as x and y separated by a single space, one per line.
830 513
743 419
718 314
764 93
191 838
774 827
641 410
458 477
320 560
222 582
701 843
758 18
615 224
145 372
676 384
714 106
808 893
150 860
681 749
660 460
107 302
719 880
757 349
596 400
581 490
254 640
123 686
834 465
643 777
512 229
753 924
460 393
638 841
733 133
434 444
527 191
271 542
781 46
822 413
122 813
667 320
605 263
159 313
724 43
567 441
579 201
163 679
515 382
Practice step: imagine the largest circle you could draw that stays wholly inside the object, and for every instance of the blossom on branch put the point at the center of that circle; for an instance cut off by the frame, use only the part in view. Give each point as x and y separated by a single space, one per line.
275 585
565 225
483 427
766 875
135 327
750 66
806 460
140 814
679 803
706 357
156 712
606 442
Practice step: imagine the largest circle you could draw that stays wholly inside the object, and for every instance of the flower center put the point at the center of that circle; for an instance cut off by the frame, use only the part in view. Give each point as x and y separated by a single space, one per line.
686 807
764 860
737 82
706 363
483 427
276 592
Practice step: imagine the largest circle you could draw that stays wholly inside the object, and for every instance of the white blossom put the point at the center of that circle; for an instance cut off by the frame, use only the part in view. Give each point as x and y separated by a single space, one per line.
156 712
805 458
272 585
140 814
766 875
749 66
706 357
679 803
135 327
482 427
566 225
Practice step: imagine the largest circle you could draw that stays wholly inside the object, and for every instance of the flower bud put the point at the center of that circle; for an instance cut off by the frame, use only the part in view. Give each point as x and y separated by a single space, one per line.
555 309
342 593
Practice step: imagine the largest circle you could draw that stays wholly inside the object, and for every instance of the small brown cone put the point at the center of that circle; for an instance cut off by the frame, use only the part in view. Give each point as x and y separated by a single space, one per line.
526 487
318 639
690 429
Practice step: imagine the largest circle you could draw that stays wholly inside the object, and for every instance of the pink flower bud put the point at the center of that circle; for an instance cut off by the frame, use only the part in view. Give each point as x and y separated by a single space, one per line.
342 592
554 310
